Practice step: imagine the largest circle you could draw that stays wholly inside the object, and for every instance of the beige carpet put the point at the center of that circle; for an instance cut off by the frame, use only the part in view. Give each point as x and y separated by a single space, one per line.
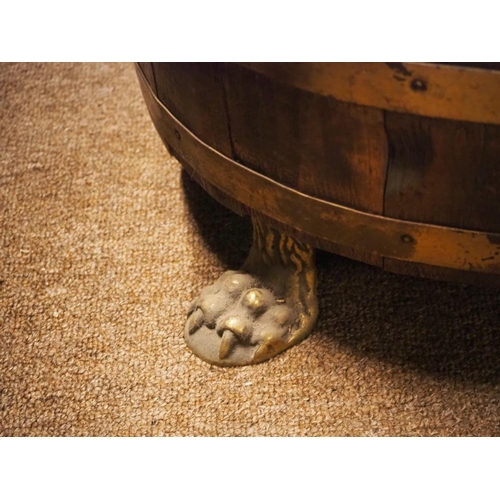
104 242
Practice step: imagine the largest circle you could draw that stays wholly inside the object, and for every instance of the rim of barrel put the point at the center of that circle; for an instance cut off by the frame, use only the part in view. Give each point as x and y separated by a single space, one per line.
493 66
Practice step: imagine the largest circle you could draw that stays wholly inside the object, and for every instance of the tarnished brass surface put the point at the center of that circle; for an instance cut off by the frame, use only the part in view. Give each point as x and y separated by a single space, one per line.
435 90
408 241
251 315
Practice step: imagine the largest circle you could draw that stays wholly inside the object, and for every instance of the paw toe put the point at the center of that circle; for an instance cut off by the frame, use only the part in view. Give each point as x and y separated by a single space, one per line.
236 283
257 300
281 315
238 325
195 321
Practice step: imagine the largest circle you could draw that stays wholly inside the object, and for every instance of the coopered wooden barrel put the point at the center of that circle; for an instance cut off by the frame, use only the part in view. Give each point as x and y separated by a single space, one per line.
394 164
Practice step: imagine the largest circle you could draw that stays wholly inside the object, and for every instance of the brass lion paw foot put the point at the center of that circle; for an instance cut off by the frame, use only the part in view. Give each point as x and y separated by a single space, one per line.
251 315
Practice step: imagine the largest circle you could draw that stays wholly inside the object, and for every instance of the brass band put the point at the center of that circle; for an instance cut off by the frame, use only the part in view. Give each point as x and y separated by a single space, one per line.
434 90
408 241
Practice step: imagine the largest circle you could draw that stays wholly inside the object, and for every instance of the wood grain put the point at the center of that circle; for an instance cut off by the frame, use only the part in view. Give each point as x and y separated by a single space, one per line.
443 172
195 94
322 147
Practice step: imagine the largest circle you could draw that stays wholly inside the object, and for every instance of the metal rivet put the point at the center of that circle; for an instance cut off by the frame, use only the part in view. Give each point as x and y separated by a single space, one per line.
406 238
418 85
176 132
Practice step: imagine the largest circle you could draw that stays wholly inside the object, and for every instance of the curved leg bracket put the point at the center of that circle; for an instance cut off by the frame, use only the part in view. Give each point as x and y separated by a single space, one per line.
252 314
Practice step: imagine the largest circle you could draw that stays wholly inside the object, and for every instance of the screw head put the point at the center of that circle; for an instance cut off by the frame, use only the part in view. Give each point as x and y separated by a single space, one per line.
406 238
418 85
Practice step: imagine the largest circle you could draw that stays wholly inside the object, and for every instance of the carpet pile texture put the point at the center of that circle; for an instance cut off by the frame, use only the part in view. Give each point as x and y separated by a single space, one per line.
104 241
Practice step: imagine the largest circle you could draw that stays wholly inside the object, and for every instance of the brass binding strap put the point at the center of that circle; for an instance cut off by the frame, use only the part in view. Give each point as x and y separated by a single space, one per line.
434 90
408 241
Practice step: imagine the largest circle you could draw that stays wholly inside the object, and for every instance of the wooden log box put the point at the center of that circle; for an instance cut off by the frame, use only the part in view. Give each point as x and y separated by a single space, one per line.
393 164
